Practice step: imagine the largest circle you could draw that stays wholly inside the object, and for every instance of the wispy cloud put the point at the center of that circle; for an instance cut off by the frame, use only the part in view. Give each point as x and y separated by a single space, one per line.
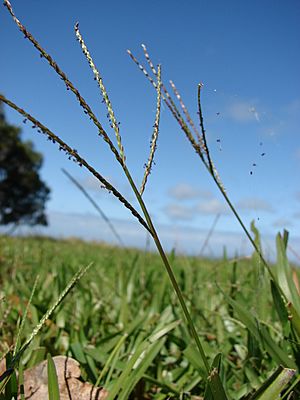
185 191
179 211
91 183
212 207
243 111
254 204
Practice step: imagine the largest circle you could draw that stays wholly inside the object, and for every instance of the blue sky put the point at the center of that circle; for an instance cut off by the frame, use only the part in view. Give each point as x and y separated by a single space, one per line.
247 56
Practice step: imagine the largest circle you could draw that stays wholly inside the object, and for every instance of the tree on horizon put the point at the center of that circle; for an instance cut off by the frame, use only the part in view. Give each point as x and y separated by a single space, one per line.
23 194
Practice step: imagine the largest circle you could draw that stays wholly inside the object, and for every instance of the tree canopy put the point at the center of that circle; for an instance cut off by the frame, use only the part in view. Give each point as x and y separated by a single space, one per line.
22 193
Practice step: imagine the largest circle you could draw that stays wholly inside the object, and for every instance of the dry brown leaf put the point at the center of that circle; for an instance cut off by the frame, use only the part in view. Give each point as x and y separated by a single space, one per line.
68 374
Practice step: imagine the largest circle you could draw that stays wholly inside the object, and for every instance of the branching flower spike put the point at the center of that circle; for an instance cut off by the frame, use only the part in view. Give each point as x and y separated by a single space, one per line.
154 134
186 113
99 80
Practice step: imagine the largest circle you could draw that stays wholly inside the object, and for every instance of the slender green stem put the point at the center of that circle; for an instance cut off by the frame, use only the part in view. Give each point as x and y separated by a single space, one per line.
169 271
213 172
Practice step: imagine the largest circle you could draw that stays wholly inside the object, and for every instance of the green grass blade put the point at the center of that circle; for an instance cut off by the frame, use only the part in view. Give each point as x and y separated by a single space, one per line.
138 372
214 388
261 334
21 382
276 387
53 388
280 308
139 362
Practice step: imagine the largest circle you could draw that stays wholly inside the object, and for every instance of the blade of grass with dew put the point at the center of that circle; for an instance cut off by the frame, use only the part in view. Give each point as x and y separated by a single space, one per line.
53 388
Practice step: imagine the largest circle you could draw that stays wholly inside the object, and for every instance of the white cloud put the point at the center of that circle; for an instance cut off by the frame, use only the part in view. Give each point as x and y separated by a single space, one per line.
243 112
213 206
254 204
185 191
179 212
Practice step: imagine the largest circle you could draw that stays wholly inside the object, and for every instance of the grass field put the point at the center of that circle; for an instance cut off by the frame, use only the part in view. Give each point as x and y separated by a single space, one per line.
123 323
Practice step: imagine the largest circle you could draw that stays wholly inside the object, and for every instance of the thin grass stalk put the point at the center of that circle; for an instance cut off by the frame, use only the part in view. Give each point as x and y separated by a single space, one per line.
110 359
106 99
219 184
69 85
79 274
95 205
20 330
154 134
171 275
74 155
212 168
